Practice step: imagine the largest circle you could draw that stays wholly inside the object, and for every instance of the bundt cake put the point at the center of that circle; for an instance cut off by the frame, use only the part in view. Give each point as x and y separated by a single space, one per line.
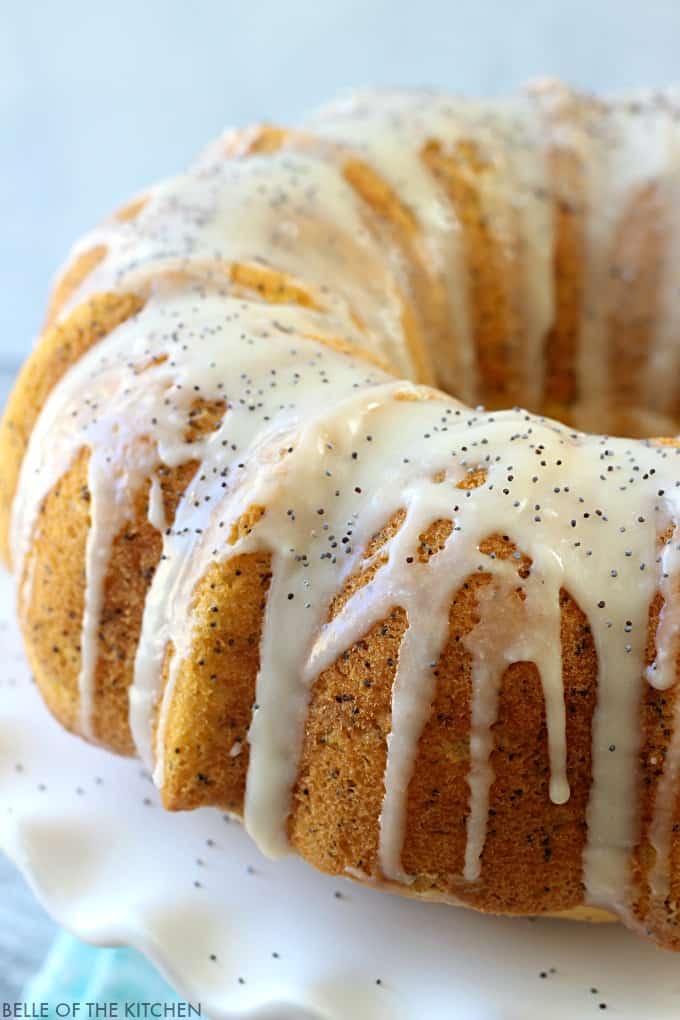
260 541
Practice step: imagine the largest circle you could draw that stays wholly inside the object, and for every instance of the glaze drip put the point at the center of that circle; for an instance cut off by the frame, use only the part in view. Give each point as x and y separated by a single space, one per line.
273 287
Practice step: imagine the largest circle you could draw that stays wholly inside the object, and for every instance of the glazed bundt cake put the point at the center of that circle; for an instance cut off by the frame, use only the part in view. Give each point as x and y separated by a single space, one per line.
427 646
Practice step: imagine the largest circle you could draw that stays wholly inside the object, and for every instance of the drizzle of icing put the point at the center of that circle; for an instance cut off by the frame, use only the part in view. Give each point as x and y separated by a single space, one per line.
332 448
133 421
390 129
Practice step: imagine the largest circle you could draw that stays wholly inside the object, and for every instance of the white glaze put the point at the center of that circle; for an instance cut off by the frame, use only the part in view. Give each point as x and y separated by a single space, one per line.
285 391
390 129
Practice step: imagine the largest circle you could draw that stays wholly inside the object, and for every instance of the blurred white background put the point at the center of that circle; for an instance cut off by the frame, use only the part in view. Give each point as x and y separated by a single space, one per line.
98 99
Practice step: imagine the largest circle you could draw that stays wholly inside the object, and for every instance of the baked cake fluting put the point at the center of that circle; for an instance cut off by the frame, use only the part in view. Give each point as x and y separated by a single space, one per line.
424 645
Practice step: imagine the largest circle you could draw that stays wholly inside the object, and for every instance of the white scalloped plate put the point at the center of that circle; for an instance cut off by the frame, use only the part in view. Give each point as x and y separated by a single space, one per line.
250 938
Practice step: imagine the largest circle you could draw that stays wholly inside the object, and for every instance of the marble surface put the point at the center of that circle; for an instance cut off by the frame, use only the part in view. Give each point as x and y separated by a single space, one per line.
25 933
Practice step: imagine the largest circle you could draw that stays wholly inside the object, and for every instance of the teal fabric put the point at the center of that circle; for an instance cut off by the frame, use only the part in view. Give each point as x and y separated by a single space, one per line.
76 972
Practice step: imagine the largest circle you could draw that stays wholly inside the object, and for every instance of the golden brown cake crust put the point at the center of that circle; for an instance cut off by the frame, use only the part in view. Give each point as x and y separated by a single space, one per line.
532 857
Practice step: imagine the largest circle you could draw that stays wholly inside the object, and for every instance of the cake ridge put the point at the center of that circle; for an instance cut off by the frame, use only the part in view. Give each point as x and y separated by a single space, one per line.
249 407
